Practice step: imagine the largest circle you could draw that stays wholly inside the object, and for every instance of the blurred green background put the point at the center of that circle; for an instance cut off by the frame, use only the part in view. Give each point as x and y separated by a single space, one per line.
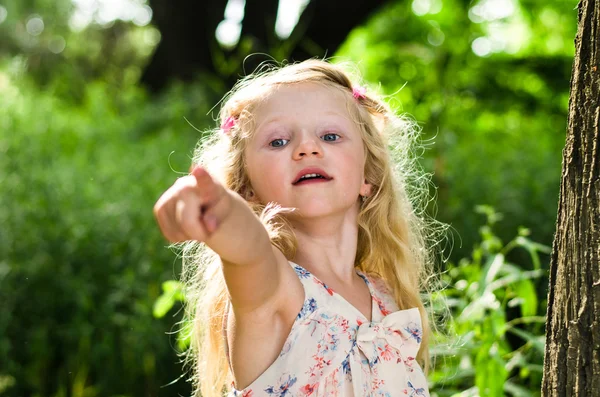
89 139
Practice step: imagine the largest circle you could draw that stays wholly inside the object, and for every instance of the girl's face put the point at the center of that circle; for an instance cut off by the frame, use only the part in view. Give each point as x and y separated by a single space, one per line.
302 130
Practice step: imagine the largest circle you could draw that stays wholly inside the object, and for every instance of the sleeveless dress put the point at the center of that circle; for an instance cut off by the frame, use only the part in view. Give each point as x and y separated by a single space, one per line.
333 350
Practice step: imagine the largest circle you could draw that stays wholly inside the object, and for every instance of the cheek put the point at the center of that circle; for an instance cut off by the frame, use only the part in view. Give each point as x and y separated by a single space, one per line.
270 186
355 166
266 175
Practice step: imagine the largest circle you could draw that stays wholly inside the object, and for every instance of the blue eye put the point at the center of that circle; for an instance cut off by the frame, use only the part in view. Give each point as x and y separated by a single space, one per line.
278 142
330 137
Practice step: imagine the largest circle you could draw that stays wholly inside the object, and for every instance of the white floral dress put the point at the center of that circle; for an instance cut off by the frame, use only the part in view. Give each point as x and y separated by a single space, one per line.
333 350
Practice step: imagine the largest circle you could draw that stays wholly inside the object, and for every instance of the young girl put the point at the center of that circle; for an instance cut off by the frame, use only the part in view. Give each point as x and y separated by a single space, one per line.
311 285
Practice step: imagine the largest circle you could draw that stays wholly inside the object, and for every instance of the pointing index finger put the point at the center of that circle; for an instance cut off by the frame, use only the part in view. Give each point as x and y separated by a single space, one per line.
207 187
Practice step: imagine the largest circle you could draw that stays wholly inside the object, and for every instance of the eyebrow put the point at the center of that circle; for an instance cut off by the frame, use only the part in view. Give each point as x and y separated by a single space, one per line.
269 121
340 118
345 119
332 113
280 117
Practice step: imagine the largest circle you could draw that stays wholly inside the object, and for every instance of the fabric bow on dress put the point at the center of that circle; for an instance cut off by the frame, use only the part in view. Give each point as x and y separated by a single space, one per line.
396 338
376 340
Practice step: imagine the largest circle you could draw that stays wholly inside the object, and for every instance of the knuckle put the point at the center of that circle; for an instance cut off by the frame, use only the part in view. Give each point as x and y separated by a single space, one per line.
159 207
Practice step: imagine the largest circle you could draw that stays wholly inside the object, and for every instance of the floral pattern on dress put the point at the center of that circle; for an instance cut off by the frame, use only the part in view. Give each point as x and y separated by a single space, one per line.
310 305
333 350
283 386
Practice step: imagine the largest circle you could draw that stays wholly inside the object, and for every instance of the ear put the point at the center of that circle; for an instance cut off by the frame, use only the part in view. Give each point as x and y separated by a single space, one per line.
248 194
366 189
251 197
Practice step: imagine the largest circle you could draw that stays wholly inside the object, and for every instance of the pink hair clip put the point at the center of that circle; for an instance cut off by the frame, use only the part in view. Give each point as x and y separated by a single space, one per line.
228 124
359 92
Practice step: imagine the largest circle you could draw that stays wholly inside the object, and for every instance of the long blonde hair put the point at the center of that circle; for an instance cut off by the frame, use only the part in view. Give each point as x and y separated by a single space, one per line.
393 231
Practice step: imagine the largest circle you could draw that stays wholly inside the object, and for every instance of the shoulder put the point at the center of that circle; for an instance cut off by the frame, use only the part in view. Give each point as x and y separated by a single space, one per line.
287 297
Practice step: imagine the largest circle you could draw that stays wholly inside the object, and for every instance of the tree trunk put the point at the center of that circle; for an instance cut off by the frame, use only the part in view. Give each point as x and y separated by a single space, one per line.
572 356
325 24
187 29
188 44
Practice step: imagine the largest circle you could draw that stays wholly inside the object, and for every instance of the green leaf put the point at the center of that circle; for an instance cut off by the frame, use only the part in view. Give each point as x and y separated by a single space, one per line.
172 293
162 305
512 278
517 391
470 392
184 334
533 248
497 323
492 267
175 288
491 373
538 342
529 301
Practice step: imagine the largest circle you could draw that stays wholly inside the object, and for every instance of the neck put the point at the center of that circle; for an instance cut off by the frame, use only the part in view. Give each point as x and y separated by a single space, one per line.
327 246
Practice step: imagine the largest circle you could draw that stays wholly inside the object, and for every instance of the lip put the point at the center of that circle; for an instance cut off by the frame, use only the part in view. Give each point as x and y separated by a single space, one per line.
311 170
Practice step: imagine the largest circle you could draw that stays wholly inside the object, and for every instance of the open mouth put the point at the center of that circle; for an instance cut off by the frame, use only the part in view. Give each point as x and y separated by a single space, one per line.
310 178
311 175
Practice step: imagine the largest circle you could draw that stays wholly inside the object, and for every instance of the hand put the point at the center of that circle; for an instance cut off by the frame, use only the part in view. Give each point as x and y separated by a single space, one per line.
193 208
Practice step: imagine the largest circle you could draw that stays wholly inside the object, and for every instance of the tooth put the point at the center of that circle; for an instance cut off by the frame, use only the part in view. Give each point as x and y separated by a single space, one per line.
311 176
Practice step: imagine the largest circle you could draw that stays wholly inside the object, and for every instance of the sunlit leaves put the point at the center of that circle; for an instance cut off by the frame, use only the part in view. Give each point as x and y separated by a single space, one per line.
498 121
478 341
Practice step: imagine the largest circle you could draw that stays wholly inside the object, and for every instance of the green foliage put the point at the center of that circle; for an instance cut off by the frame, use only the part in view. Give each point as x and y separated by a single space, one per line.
174 293
37 38
498 121
81 257
84 154
494 341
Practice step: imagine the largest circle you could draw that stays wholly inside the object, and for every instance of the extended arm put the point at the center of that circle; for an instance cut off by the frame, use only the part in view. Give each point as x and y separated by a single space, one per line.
198 208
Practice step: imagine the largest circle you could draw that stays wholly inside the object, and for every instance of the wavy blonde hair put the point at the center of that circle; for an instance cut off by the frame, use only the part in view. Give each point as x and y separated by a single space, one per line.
393 228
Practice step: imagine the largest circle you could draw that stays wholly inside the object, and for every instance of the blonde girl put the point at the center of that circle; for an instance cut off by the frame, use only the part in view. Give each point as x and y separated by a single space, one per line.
311 283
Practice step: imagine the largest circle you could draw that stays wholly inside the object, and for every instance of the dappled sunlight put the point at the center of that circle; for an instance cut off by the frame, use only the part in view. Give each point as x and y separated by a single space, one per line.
422 7
107 11
506 29
3 13
288 14
229 29
491 10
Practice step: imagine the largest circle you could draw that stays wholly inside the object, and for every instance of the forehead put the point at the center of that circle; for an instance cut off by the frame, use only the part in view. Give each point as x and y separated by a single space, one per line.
298 98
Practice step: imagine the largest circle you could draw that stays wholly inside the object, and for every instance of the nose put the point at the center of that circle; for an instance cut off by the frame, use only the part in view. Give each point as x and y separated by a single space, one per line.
308 146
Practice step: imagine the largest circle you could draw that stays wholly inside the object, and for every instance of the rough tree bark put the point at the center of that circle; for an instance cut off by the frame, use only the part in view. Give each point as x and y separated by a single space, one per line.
572 357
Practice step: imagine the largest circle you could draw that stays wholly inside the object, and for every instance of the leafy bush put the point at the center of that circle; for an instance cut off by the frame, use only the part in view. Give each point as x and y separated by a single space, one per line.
494 341
81 257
